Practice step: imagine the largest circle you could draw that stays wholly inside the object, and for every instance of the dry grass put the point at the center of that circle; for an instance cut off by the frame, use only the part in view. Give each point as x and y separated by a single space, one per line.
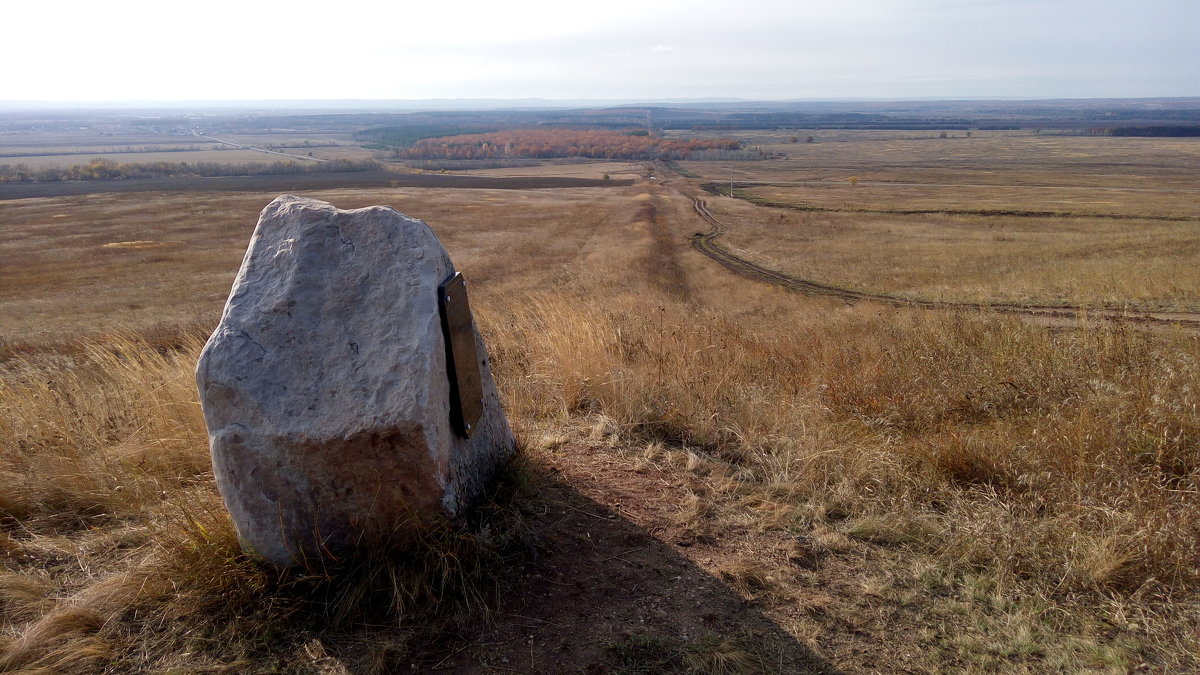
998 158
231 156
63 147
1058 470
985 246
1015 200
119 554
1074 261
597 169
62 276
962 492
1100 423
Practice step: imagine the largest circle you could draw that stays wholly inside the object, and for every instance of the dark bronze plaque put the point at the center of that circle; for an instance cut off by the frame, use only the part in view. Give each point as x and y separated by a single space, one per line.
462 362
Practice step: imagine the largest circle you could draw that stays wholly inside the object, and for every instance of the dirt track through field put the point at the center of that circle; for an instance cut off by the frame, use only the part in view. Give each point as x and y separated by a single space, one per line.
706 243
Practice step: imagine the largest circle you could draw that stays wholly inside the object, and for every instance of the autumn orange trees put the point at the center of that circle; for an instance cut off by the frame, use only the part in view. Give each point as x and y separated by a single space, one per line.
547 143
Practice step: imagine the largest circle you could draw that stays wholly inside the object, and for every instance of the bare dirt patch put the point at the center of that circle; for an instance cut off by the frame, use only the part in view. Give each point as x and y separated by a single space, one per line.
608 592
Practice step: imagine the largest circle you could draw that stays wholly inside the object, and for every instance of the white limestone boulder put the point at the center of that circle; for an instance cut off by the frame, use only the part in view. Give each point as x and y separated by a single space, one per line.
325 390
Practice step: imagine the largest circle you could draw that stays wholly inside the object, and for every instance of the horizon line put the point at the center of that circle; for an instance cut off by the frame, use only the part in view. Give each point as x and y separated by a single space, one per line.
531 100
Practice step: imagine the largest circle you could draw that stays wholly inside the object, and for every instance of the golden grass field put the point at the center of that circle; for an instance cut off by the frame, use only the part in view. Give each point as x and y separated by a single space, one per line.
1090 262
888 489
64 148
576 170
997 217
999 158
86 140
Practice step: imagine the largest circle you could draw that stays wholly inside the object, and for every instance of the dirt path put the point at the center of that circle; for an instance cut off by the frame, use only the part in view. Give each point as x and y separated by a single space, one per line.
662 263
706 243
610 588
242 146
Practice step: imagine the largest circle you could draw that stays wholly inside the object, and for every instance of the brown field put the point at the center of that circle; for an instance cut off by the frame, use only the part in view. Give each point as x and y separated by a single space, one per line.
997 217
717 475
11 152
1088 202
318 145
227 156
69 269
1142 264
1001 158
350 152
291 183
82 141
577 170
291 139
65 148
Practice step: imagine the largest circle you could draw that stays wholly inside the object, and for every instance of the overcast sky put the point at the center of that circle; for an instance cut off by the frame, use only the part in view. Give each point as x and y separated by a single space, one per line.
73 50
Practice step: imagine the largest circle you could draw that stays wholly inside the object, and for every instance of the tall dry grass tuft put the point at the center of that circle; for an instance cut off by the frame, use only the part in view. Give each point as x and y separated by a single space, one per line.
1066 461
101 432
118 551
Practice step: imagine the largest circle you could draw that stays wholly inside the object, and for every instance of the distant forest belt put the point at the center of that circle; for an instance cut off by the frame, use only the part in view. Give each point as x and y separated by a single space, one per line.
705 242
721 189
295 182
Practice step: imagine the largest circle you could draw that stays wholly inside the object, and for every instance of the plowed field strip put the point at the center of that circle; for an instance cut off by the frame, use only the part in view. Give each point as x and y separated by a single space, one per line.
293 183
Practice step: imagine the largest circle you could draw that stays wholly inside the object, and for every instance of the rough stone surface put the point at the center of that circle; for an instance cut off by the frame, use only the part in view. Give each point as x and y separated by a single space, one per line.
324 387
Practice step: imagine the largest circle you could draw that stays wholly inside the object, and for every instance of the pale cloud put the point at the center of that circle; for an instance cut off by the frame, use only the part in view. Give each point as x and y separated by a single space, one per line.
223 49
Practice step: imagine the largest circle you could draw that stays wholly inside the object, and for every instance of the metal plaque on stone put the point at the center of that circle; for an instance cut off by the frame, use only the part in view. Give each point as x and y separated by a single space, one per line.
462 361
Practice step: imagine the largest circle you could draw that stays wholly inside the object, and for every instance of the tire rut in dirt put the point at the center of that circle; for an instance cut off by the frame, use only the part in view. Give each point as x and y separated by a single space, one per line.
662 261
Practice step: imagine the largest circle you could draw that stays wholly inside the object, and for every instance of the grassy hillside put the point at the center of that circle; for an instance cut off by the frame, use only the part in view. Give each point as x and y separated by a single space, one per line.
715 475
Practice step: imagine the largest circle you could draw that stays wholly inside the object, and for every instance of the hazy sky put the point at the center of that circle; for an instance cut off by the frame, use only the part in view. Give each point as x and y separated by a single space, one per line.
771 49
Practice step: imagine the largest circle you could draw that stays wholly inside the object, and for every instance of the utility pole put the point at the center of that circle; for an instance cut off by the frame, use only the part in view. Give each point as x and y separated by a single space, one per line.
731 181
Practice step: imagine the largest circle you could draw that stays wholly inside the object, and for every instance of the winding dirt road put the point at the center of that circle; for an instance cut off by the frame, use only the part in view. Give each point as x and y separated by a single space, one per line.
706 243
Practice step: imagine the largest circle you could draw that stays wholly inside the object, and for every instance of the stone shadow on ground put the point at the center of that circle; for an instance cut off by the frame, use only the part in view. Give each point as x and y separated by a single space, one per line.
603 595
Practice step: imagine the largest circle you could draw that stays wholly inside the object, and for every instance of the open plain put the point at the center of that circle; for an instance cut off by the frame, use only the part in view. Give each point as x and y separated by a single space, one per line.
995 217
716 475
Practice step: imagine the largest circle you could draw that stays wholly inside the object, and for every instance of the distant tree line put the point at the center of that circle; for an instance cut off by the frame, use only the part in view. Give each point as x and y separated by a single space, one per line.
1165 131
550 143
103 169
